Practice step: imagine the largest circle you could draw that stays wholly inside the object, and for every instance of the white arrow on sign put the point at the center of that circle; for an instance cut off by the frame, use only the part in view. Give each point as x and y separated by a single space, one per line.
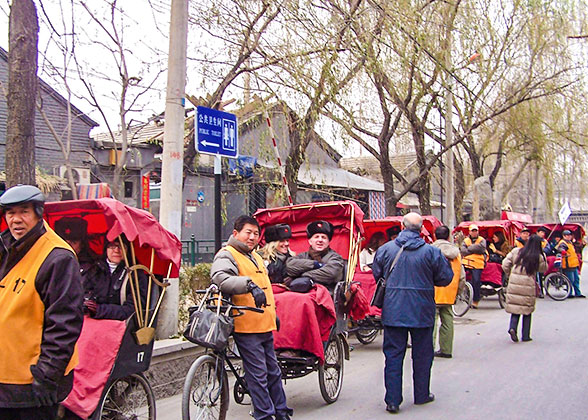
209 144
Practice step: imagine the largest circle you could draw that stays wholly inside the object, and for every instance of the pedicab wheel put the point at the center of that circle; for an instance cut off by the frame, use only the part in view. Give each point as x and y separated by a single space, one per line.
238 393
206 390
502 298
366 336
463 300
557 286
130 397
331 372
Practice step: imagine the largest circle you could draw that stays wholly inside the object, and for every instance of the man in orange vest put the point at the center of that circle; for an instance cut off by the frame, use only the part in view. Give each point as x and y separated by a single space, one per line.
473 253
41 314
570 262
241 273
522 240
445 296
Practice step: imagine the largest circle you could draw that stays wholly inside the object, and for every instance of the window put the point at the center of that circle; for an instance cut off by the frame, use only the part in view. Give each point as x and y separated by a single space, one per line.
128 189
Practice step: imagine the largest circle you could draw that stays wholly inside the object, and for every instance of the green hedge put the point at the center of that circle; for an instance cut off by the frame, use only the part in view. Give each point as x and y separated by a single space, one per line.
191 278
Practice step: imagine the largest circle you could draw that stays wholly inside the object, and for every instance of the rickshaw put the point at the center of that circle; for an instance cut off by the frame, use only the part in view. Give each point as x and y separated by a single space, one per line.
206 388
109 381
556 284
492 279
366 330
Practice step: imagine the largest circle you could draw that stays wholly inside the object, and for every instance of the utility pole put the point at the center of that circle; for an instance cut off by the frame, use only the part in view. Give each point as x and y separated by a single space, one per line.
449 172
170 215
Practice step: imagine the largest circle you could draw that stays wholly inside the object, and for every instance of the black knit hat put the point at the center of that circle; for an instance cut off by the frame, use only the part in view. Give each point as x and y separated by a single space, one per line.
320 226
394 230
277 233
543 229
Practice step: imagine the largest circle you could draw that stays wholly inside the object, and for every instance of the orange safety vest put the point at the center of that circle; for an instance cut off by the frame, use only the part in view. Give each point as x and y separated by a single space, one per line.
252 322
23 313
446 295
474 260
571 258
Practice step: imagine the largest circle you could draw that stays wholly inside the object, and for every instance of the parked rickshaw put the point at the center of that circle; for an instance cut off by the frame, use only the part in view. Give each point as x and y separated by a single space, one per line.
109 381
206 392
556 284
493 281
367 329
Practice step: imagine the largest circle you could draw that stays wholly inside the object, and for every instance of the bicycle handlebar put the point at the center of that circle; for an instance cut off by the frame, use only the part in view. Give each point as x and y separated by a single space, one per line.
212 303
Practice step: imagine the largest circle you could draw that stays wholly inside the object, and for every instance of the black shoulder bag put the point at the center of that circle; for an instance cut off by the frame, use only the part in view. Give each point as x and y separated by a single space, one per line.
380 293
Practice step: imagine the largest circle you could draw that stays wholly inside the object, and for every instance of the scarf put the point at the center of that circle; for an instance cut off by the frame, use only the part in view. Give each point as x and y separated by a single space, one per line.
318 255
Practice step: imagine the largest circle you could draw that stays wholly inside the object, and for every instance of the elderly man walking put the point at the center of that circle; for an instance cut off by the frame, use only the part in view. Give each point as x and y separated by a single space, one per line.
412 270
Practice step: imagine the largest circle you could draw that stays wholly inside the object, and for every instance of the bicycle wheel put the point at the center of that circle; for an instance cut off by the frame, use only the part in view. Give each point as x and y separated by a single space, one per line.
557 286
206 390
130 397
463 300
331 372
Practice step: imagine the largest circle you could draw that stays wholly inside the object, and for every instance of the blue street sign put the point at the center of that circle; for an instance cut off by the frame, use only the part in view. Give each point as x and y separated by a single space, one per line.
216 132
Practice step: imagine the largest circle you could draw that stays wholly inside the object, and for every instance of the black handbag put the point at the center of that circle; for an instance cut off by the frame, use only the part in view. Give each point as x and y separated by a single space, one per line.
209 329
380 292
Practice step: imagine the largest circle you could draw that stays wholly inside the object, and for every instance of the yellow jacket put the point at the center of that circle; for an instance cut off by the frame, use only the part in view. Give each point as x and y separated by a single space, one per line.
446 295
477 261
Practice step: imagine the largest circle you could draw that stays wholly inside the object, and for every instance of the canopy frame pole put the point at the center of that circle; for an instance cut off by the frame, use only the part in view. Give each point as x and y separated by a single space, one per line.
149 286
124 252
142 322
160 297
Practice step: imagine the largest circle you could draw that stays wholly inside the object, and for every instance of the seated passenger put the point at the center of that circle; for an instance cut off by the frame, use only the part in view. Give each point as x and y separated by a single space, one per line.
498 248
74 230
106 285
392 232
366 256
320 263
551 248
276 252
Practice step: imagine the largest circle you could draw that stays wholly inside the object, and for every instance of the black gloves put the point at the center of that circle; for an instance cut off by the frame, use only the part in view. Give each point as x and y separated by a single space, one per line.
45 394
257 293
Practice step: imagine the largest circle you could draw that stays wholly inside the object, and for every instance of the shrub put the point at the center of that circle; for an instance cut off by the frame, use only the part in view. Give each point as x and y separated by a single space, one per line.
192 278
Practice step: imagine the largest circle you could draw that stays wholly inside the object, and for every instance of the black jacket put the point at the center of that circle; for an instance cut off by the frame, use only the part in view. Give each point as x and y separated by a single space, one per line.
59 286
105 288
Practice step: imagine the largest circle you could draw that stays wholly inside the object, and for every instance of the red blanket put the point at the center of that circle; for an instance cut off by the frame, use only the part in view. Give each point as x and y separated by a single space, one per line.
305 319
368 285
492 273
97 348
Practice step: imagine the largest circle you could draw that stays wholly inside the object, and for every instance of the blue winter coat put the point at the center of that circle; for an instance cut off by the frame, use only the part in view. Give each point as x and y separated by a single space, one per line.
410 289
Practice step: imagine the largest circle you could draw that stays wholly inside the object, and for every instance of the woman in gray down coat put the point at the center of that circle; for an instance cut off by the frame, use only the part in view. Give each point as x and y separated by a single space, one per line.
521 266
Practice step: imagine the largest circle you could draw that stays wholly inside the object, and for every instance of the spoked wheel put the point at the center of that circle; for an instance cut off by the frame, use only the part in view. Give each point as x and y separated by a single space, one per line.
239 393
206 390
366 336
463 300
129 398
557 286
331 372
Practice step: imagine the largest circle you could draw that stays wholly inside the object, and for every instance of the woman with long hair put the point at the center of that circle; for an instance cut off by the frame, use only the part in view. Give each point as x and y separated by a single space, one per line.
498 247
366 256
276 251
521 266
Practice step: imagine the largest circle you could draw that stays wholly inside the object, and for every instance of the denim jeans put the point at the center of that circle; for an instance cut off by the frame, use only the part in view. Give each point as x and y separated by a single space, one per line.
572 274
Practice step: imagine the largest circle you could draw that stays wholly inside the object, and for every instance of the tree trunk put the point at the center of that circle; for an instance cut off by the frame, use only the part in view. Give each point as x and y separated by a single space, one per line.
423 184
459 190
22 93
388 179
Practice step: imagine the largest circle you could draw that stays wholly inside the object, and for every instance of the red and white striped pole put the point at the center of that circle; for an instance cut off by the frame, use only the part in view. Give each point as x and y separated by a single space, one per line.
280 165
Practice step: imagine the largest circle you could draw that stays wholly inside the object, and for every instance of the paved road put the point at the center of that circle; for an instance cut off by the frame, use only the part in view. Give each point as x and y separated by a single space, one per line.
489 377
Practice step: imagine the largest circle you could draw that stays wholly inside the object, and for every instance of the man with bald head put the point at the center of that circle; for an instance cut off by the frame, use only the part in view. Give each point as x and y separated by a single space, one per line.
412 269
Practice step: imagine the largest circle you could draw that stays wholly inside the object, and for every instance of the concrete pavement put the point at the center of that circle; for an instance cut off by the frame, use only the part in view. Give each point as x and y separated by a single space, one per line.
490 377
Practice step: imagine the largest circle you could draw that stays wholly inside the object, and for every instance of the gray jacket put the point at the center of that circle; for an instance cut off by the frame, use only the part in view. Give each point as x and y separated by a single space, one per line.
473 248
328 275
225 273
451 252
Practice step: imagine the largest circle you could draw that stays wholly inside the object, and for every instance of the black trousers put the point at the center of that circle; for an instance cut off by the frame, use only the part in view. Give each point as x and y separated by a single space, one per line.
514 324
395 339
30 413
262 375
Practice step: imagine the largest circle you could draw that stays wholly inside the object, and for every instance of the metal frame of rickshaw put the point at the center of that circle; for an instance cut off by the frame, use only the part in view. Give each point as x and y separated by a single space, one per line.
297 367
367 329
136 348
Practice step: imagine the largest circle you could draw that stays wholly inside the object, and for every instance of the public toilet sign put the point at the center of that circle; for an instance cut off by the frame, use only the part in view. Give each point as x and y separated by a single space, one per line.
216 132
